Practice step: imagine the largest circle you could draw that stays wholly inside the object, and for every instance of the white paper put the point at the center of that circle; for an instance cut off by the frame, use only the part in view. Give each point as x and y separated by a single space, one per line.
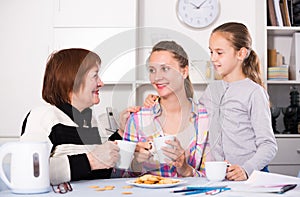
259 178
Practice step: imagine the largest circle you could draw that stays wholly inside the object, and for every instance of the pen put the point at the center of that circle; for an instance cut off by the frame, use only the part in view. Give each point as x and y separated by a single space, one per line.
205 187
194 188
199 191
183 190
214 192
287 188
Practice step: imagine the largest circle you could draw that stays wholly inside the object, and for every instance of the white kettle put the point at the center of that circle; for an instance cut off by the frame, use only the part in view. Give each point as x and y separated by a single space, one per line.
29 167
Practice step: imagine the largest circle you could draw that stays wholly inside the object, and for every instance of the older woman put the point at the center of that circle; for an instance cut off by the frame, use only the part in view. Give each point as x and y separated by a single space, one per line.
71 86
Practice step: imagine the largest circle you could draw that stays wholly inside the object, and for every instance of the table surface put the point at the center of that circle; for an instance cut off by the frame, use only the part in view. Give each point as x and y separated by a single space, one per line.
81 188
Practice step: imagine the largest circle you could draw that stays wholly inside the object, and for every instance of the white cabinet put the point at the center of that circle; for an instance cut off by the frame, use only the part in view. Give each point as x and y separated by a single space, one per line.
95 13
107 28
287 160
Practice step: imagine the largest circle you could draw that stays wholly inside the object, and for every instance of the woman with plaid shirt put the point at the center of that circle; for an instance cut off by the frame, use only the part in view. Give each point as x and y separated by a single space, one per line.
175 114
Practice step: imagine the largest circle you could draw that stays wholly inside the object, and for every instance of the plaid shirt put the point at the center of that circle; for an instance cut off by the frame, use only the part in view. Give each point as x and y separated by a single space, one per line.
145 124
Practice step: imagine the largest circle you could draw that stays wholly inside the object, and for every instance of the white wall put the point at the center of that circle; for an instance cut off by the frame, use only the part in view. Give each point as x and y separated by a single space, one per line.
26 38
157 13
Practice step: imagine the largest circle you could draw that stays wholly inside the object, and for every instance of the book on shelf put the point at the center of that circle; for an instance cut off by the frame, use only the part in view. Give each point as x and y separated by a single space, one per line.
290 7
278 12
285 12
295 57
271 13
278 73
274 58
296 12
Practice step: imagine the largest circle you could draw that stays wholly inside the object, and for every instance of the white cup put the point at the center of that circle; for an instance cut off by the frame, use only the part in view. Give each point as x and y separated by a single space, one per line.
215 170
127 149
159 142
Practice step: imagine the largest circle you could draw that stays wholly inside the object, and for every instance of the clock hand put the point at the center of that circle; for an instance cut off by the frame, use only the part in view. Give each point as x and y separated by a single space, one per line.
194 5
198 7
201 4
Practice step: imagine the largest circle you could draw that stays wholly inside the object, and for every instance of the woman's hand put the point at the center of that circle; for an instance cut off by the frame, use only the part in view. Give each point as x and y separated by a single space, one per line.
236 173
124 115
177 158
104 156
150 100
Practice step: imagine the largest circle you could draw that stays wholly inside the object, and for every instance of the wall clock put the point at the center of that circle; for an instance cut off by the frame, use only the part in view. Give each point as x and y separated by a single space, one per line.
197 13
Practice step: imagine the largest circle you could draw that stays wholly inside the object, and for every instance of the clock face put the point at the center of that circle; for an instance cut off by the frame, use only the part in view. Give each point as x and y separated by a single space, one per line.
197 13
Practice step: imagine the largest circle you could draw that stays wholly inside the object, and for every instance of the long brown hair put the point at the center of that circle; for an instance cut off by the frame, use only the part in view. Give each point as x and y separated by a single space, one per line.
238 35
65 73
181 56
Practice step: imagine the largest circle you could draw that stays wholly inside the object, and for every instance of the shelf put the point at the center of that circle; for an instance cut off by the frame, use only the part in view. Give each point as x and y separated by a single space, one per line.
282 31
288 82
287 135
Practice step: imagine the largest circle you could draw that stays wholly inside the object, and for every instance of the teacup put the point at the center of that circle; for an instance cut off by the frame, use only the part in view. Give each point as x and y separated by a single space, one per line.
159 142
215 170
127 149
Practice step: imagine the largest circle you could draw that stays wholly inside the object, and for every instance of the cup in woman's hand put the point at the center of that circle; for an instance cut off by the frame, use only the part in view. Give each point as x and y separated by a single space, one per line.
161 142
127 149
215 170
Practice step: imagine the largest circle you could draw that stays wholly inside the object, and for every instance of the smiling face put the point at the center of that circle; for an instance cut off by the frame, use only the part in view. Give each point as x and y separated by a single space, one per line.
226 60
165 74
88 93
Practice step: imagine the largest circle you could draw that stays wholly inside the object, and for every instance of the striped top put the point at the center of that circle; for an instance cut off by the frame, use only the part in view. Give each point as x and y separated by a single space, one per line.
145 124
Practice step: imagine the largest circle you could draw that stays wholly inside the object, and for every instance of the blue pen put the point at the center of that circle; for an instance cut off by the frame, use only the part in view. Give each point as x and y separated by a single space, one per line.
183 190
205 187
198 191
196 188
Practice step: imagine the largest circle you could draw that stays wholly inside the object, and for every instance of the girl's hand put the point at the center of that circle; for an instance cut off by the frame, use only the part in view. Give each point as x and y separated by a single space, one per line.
142 151
150 100
236 173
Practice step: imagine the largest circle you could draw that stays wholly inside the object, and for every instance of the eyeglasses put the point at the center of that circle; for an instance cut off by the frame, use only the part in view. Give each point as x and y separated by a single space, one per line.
62 188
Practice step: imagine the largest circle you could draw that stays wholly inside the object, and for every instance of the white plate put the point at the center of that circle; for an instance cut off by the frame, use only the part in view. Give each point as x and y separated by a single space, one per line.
131 182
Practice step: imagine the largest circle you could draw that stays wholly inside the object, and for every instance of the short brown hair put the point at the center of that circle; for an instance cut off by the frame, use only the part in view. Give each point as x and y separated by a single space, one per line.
65 73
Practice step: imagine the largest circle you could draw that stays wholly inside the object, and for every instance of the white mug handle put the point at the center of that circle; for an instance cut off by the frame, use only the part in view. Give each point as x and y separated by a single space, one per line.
4 150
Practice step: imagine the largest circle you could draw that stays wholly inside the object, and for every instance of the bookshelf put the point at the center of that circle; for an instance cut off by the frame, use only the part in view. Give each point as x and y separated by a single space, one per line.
280 37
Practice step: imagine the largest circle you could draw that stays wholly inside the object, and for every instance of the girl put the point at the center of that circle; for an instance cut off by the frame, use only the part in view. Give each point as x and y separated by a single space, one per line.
238 105
174 114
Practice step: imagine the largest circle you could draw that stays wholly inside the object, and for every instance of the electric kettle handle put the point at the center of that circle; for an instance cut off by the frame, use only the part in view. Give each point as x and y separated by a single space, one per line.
4 150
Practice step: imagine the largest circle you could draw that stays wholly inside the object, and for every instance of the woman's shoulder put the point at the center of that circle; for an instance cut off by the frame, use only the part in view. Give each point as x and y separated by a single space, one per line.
49 114
199 109
41 110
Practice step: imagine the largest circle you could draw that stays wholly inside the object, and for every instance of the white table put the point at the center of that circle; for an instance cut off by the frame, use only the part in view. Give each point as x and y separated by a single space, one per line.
81 189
